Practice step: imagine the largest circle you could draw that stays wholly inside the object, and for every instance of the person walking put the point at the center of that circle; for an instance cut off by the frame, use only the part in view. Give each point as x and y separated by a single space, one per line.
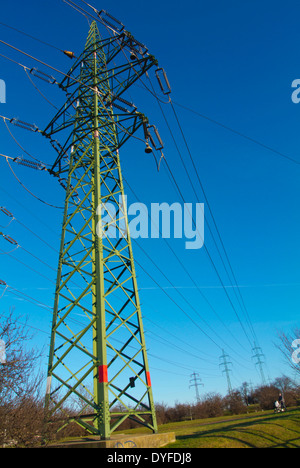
281 402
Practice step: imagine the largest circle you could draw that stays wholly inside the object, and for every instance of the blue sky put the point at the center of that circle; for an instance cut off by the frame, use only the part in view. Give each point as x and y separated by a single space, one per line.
234 63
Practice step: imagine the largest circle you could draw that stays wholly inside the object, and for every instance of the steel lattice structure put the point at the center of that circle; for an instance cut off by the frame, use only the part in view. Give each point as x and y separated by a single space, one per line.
97 351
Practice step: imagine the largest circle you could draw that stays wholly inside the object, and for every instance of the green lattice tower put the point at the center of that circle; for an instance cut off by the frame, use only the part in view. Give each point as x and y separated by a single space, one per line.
97 353
226 370
258 355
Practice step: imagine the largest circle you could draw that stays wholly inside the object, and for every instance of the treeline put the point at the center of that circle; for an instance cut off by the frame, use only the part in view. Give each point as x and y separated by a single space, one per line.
240 401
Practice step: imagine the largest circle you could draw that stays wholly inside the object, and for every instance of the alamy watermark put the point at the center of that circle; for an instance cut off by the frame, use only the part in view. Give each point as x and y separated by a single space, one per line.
161 221
2 92
2 352
296 353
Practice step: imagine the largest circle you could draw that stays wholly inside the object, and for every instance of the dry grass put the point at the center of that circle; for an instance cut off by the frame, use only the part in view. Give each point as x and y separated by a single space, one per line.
266 430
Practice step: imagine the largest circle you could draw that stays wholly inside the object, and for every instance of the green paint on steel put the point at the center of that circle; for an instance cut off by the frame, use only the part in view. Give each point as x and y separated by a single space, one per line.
98 373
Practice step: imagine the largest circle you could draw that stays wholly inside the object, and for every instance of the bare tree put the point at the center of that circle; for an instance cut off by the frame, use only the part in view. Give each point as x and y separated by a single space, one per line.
265 396
235 403
245 392
21 411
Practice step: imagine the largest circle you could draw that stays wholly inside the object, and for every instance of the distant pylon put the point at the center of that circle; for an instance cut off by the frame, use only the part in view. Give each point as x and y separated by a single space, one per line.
225 364
258 355
195 381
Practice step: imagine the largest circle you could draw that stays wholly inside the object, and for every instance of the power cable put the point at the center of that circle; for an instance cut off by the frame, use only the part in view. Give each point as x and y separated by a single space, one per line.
190 276
205 247
193 187
214 121
183 297
169 343
219 277
248 319
31 37
16 141
27 266
178 339
212 262
31 57
78 11
72 79
39 91
32 194
215 224
28 298
17 201
197 287
177 305
191 216
37 258
37 236
236 132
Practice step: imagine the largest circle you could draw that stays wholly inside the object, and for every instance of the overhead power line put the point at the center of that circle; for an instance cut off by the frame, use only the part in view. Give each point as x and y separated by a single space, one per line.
15 243
188 274
29 191
238 133
184 298
50 205
226 369
195 381
216 227
212 261
210 210
183 199
45 202
69 54
183 106
241 302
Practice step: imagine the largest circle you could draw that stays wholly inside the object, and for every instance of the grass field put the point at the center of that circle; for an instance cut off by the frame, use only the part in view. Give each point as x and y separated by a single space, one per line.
264 430
260 430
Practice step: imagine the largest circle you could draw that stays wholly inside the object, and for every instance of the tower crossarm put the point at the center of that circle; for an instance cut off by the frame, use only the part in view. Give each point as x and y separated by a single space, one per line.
114 111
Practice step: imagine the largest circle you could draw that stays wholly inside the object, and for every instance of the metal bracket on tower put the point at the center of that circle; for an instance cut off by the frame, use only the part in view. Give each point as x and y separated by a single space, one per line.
163 81
25 125
131 108
116 25
43 76
158 145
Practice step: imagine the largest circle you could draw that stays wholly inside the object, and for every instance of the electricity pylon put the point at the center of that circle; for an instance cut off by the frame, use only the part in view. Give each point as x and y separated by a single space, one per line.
225 364
195 381
98 353
258 355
